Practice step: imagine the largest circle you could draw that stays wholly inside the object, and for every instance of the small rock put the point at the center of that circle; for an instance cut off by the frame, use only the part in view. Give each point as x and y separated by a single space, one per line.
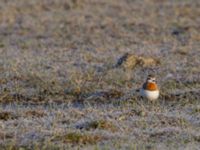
147 62
130 61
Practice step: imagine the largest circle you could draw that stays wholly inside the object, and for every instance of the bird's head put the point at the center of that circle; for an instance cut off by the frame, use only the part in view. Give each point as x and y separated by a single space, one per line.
151 78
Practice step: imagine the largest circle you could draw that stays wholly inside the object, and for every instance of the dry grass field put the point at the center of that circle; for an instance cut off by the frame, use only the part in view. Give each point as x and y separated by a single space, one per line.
63 76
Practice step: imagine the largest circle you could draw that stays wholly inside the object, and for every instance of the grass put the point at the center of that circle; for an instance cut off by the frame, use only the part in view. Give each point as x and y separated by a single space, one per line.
7 116
98 124
65 64
77 138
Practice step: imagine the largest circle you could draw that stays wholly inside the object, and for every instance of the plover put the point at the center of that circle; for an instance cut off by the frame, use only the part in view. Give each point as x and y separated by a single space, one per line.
150 89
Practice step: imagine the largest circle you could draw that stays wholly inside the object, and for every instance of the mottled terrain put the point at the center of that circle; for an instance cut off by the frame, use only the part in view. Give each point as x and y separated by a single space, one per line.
65 66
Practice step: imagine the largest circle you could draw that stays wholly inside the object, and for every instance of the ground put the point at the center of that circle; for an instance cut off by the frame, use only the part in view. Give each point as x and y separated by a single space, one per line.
66 66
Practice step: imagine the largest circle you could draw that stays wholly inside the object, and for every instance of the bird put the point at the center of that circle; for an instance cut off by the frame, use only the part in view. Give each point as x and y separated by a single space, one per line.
150 89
